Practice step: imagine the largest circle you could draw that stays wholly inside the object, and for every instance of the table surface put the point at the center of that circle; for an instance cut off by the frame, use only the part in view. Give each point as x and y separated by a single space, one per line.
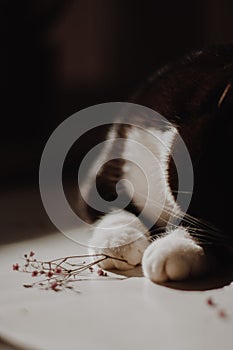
118 312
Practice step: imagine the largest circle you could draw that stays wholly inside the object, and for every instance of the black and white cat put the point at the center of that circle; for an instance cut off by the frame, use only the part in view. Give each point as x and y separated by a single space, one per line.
195 95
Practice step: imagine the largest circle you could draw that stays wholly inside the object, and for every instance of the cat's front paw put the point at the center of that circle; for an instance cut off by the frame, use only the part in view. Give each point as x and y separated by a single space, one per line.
120 235
174 257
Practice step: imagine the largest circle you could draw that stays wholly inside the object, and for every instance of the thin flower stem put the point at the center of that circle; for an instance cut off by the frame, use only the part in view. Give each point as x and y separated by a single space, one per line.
81 256
57 276
89 265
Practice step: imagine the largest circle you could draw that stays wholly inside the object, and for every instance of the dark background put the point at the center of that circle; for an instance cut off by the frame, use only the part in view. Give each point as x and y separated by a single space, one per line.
59 56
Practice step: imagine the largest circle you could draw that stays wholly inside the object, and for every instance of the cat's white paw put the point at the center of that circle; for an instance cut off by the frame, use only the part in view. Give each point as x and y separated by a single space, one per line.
121 235
174 257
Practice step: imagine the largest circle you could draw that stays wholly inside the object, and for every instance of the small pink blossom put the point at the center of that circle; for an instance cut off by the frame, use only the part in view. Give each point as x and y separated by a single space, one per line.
210 302
54 286
58 270
222 314
34 273
100 272
15 267
50 274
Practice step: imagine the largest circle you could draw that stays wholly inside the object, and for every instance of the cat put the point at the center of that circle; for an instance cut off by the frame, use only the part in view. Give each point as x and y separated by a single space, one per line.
195 95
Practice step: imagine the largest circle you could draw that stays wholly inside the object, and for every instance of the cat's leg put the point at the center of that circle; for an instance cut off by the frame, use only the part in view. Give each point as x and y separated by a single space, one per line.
176 256
122 235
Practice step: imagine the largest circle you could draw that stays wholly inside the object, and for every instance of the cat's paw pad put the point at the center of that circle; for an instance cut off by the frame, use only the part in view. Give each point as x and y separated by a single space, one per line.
174 257
122 239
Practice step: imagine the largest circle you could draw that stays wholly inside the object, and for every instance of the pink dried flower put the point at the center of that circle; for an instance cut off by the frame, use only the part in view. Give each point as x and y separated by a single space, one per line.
50 274
15 267
100 272
54 286
67 271
58 270
210 302
222 314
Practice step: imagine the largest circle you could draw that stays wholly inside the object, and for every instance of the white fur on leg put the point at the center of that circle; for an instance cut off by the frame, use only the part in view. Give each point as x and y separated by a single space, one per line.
174 257
122 235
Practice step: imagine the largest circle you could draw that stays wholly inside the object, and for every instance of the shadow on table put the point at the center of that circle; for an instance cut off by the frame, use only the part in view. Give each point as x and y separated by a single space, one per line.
23 216
218 279
4 345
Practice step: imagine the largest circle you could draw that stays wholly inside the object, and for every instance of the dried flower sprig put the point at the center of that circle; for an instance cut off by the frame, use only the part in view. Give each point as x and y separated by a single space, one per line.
59 274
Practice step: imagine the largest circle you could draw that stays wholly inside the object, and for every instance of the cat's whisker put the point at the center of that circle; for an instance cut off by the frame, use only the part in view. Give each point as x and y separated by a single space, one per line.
203 222
207 234
223 96
208 230
170 212
202 239
205 239
182 192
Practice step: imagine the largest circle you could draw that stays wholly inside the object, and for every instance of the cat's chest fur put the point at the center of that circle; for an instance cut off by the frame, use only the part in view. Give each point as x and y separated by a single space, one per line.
146 155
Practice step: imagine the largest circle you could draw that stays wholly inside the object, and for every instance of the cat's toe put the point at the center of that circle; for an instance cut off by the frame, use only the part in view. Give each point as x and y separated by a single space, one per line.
174 257
126 242
131 254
